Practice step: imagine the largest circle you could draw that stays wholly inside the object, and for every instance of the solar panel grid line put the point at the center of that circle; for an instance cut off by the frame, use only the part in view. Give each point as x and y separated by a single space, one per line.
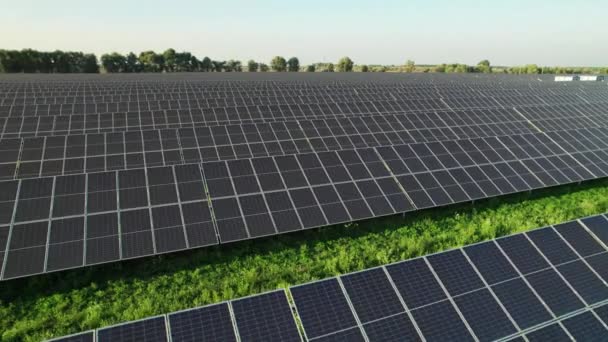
352 309
402 301
10 231
524 279
593 233
395 180
450 299
554 268
494 296
118 217
181 211
602 322
569 154
244 222
559 321
581 257
147 181
48 230
527 120
85 221
315 205
233 321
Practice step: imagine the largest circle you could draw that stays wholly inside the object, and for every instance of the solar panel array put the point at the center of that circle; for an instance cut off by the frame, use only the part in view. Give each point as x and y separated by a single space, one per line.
545 284
97 171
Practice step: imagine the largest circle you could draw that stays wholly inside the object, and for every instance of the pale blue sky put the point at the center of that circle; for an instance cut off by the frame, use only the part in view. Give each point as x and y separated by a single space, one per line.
558 32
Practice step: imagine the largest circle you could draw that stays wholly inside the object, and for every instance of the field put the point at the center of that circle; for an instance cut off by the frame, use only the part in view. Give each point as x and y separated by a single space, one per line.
61 304
222 159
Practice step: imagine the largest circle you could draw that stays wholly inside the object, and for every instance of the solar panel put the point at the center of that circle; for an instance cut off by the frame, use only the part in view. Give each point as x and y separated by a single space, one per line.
553 332
586 327
210 323
266 317
147 330
323 308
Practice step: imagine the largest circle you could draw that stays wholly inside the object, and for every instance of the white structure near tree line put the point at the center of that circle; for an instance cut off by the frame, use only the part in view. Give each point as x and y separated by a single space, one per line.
566 78
570 78
592 78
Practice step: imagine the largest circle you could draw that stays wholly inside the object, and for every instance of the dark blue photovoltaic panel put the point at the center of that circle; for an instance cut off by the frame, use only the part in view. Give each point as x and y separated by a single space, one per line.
416 283
554 292
440 322
553 333
552 246
395 328
372 295
322 307
455 271
490 262
265 317
599 263
149 330
521 303
602 313
584 282
579 238
586 327
484 315
207 324
599 226
349 335
522 253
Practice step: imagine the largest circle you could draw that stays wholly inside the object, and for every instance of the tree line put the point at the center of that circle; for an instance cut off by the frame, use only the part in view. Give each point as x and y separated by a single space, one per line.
32 61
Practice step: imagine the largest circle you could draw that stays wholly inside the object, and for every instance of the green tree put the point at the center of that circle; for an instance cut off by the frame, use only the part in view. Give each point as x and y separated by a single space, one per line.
532 69
293 64
233 66
310 68
364 68
170 59
278 63
345 64
252 66
151 61
484 67
114 62
410 66
132 64
264 67
206 64
218 66
89 64
183 61
440 68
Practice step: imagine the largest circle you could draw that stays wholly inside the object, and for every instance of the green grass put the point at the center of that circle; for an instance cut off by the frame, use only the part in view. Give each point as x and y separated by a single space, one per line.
57 304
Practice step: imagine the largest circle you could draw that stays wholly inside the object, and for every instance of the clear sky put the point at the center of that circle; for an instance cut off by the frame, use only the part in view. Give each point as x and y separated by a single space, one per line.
545 32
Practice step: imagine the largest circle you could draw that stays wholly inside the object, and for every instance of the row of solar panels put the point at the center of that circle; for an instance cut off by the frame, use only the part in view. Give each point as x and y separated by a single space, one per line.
352 105
544 284
244 141
109 216
79 124
550 117
34 157
299 83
